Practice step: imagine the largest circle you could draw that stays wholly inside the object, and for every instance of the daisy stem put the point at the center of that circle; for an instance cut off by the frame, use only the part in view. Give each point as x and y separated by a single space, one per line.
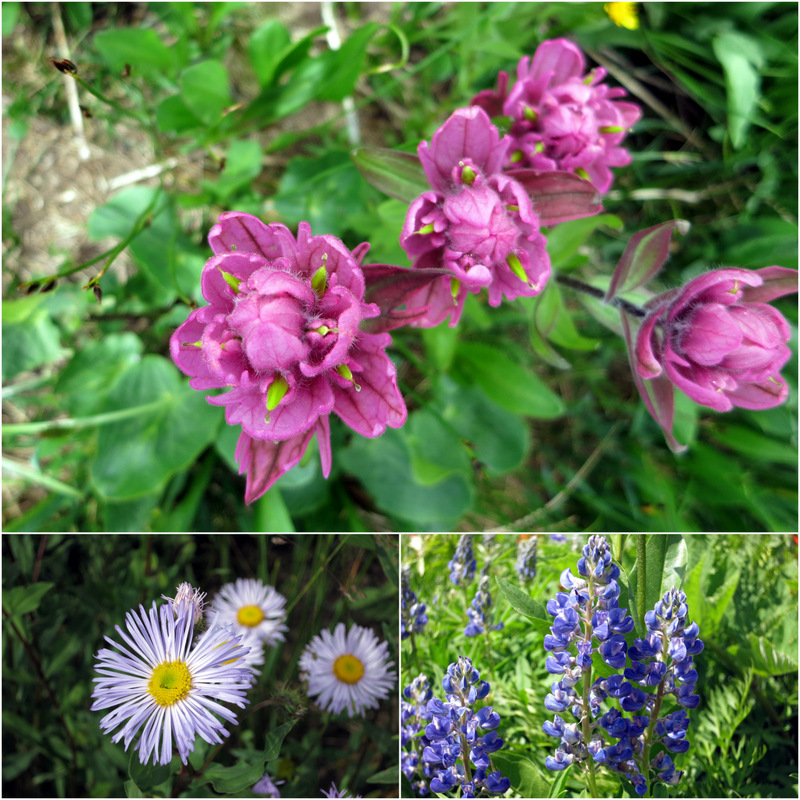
316 575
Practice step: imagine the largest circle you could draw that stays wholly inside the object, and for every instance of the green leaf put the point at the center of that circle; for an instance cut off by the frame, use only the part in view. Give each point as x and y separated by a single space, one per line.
564 239
317 190
233 780
137 456
523 603
131 789
93 369
399 175
768 661
274 740
145 776
204 88
524 775
557 786
242 166
272 514
343 66
31 344
741 57
10 15
509 384
383 465
24 599
265 48
140 47
390 775
435 451
500 440
174 116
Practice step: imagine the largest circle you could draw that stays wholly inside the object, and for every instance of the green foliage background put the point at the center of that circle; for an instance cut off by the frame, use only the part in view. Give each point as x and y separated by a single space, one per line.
523 416
63 594
741 591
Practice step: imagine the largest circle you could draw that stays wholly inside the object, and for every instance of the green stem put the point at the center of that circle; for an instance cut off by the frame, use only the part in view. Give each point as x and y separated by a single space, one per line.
116 106
599 294
641 576
586 726
72 423
141 222
415 652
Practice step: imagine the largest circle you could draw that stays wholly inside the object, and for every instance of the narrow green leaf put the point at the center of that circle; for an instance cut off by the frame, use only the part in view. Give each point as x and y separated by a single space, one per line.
526 605
274 740
390 776
768 661
399 175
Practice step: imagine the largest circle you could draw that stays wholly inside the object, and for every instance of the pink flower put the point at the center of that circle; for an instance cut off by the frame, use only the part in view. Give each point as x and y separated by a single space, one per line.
475 222
717 339
282 332
564 120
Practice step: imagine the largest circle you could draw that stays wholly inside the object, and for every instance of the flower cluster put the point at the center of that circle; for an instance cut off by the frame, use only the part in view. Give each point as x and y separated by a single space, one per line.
527 550
347 670
463 564
660 665
718 340
475 222
414 717
462 739
479 611
413 618
283 331
167 682
563 119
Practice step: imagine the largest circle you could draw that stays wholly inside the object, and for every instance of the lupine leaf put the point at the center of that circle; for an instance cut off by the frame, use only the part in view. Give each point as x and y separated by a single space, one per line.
526 605
767 660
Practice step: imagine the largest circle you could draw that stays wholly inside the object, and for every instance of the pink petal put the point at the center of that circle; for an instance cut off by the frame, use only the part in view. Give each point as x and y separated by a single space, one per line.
265 461
708 334
379 402
777 281
238 232
559 56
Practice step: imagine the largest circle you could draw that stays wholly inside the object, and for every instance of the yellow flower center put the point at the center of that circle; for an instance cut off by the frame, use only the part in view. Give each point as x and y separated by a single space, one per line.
250 616
170 682
348 669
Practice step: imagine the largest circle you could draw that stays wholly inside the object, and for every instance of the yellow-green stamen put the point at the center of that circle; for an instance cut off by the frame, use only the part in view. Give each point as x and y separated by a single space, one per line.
348 669
426 228
170 682
516 156
467 175
250 616
231 280
276 392
516 267
319 281
346 373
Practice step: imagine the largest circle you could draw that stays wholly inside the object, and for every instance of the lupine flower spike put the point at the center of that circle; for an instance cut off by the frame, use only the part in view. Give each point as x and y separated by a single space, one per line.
527 550
463 564
462 739
479 612
413 618
589 620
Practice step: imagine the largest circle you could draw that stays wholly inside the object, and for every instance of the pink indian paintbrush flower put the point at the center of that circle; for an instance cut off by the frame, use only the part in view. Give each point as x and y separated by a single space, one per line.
563 119
717 339
283 332
476 223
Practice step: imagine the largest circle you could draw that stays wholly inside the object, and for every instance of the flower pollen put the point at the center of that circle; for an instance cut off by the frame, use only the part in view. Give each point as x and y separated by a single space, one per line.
171 682
250 616
348 669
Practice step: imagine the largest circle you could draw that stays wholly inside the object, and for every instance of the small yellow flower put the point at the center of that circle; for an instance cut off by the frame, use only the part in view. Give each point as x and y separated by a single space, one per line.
625 15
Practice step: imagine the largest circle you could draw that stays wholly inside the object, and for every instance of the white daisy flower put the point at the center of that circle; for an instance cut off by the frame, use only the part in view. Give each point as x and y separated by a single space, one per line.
254 610
162 682
347 670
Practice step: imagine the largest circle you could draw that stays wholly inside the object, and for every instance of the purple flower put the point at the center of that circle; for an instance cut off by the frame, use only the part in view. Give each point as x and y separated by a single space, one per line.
718 340
282 332
563 119
479 611
475 222
267 787
526 558
463 563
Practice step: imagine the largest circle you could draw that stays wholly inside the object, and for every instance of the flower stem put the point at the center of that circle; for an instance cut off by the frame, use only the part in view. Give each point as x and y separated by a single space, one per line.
586 727
599 294
641 576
